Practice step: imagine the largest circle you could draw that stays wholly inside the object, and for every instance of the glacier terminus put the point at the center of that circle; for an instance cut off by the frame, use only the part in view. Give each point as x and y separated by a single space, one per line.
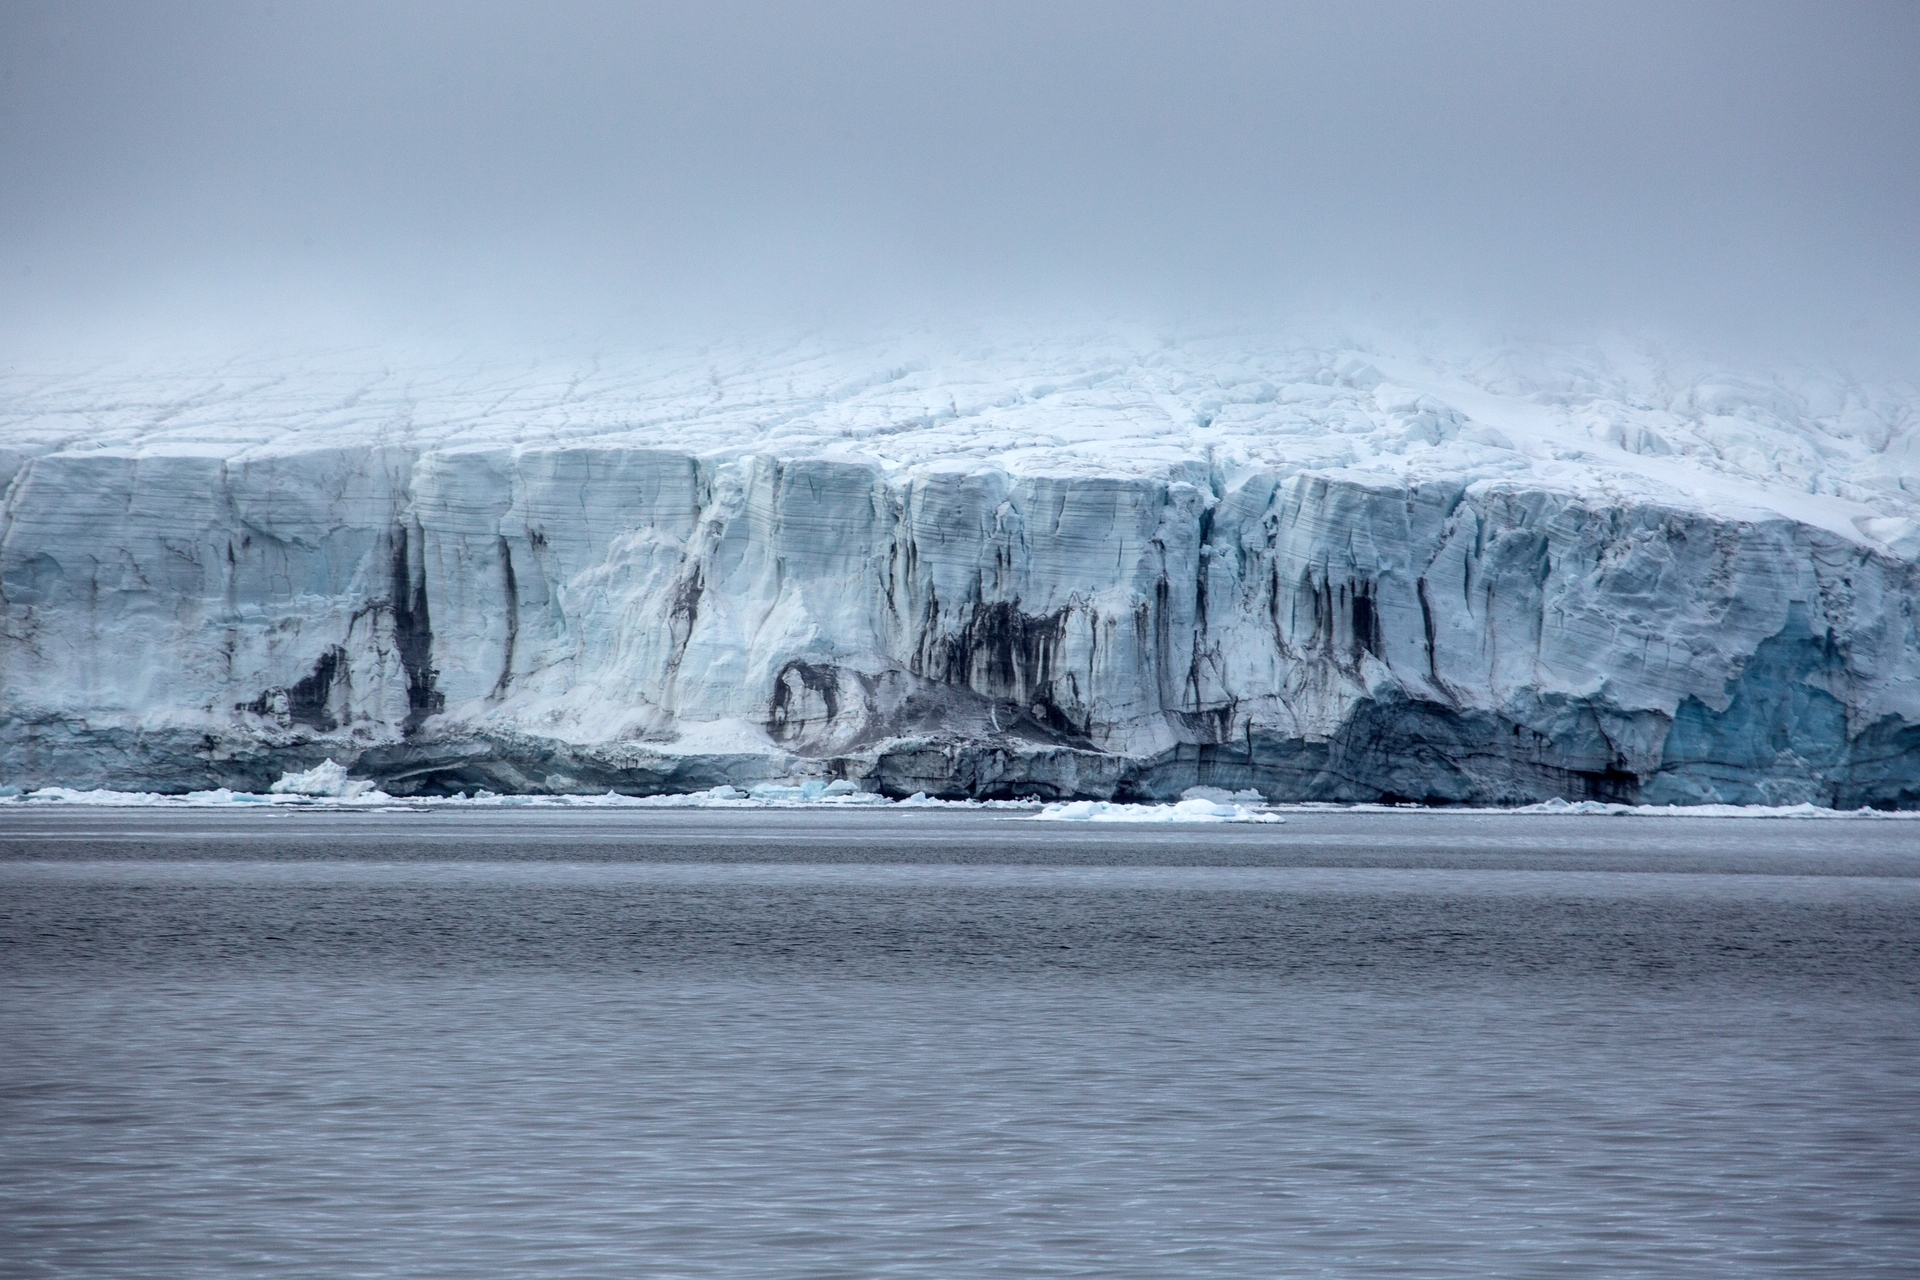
1110 565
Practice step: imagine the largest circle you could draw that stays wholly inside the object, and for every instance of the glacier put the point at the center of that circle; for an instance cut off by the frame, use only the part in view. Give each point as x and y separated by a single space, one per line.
1110 565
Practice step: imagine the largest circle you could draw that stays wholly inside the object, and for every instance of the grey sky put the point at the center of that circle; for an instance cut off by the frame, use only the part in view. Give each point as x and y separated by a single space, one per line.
1732 170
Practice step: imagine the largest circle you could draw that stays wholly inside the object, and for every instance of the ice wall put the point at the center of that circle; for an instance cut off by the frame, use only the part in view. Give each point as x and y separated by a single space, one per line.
551 616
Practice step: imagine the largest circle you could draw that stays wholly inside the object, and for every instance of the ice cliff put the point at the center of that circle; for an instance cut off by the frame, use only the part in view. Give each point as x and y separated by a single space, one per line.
1113 566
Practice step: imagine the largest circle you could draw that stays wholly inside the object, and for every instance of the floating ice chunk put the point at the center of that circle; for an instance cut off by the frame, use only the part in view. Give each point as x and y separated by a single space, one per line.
1197 809
219 797
325 779
804 791
96 796
1590 807
227 795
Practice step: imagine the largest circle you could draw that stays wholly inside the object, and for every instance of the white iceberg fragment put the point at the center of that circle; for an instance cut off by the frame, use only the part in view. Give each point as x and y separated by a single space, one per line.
326 780
1196 809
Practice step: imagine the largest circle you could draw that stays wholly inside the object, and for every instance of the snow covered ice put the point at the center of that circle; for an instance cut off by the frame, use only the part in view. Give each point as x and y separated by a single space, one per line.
1111 567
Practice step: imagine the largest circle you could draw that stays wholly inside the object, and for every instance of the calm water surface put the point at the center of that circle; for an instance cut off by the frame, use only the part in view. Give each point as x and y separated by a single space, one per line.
925 1044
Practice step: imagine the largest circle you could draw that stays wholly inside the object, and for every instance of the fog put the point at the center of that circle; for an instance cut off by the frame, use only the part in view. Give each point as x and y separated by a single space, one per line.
1737 174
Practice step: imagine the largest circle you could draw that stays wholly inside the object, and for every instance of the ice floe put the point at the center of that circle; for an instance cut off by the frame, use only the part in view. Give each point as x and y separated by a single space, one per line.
326 779
1195 810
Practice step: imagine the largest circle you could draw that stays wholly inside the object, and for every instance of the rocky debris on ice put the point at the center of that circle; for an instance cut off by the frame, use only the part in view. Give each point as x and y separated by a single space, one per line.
1112 566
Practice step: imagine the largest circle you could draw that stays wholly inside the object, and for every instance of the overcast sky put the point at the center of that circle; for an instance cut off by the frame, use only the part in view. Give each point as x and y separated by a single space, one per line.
1725 171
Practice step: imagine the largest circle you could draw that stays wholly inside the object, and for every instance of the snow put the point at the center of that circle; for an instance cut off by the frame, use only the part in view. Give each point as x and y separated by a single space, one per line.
1619 418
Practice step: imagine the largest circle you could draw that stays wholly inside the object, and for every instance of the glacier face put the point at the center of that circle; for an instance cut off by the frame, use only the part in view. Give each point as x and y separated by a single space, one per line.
1113 567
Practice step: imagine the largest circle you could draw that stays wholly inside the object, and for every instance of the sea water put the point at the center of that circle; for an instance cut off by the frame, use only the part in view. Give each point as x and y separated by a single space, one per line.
955 1044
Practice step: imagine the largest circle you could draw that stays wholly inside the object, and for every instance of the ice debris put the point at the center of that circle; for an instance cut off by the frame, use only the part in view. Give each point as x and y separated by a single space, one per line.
324 779
1197 809
328 790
